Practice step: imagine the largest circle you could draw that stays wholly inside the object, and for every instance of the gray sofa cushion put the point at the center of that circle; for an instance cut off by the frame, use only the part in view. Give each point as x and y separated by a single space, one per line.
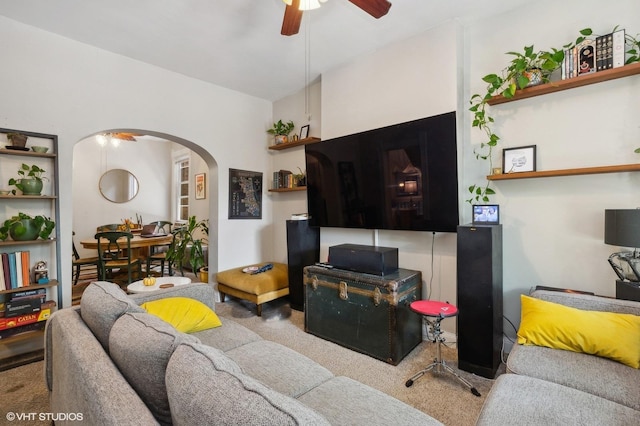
101 305
595 375
205 387
282 369
521 400
230 335
344 401
141 345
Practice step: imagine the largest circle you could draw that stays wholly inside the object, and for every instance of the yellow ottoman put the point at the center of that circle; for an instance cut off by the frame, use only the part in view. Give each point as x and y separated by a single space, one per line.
258 288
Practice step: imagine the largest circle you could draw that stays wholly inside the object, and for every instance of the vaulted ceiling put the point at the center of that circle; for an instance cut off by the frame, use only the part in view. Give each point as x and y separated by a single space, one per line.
237 43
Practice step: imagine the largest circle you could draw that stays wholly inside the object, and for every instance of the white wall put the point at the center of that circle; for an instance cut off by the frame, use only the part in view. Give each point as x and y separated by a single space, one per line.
396 84
553 228
62 87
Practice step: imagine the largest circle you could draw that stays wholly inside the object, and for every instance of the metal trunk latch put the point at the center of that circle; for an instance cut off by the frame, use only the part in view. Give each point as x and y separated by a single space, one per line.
377 295
343 290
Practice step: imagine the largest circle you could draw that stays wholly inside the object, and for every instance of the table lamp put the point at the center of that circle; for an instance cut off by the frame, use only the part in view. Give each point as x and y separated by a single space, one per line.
622 228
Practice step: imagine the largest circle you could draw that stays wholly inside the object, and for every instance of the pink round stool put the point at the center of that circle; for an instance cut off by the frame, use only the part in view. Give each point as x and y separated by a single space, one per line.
438 311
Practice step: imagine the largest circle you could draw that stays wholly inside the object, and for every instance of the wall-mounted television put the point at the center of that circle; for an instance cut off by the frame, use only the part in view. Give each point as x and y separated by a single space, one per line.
401 177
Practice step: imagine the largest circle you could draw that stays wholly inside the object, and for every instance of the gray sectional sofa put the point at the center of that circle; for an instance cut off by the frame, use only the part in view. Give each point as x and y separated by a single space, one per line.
557 387
115 364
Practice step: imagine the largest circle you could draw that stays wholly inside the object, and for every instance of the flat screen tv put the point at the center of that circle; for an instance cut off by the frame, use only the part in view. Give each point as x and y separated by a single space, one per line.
400 177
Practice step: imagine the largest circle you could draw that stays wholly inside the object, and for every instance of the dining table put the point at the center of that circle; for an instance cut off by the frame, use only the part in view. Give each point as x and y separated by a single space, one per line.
139 244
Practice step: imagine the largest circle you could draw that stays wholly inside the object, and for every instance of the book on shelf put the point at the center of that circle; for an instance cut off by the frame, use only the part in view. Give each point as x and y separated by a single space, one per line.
26 269
43 315
586 57
604 52
618 49
18 281
2 280
282 179
7 273
12 270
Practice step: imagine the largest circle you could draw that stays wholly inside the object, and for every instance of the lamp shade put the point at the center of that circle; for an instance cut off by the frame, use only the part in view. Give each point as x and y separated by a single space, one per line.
622 227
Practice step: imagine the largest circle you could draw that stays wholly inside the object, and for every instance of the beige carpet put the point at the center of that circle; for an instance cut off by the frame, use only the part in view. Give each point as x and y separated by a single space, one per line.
439 395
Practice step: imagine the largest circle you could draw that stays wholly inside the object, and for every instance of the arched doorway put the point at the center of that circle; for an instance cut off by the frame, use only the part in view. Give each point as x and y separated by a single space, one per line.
149 157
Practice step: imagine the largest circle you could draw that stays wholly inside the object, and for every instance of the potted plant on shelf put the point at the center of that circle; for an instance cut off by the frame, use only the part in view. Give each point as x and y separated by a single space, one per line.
30 181
281 131
525 69
17 139
24 227
187 246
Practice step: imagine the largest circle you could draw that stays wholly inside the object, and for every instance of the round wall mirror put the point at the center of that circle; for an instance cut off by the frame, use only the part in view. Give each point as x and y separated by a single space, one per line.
118 185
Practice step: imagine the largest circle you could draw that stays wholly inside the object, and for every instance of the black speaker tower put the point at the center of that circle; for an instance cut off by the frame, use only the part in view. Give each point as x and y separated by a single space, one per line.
303 249
479 269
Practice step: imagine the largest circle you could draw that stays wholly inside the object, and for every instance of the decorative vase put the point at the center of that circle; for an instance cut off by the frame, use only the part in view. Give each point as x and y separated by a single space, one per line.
204 274
24 230
31 186
18 139
534 76
280 139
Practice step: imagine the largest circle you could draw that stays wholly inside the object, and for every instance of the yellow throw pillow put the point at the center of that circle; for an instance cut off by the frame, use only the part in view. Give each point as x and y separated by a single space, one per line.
184 314
606 334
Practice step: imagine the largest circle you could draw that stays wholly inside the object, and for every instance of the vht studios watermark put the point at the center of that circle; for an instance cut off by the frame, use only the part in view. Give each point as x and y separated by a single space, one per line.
43 417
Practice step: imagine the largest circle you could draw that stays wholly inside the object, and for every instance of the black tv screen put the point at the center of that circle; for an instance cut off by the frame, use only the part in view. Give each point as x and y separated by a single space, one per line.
401 177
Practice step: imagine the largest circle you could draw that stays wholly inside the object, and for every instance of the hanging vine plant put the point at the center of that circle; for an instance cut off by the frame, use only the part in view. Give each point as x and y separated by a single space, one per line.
526 68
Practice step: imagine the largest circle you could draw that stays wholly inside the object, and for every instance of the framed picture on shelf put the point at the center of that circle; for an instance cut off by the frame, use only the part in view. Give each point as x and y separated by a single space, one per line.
520 159
304 132
201 188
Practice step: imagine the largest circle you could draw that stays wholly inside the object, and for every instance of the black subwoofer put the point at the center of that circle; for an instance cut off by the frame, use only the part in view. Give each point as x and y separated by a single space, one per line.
479 270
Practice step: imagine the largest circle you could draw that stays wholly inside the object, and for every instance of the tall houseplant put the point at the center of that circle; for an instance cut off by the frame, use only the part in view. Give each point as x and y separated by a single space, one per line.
187 241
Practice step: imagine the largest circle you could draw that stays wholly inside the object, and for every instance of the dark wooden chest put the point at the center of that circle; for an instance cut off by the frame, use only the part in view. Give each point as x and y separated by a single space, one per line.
363 312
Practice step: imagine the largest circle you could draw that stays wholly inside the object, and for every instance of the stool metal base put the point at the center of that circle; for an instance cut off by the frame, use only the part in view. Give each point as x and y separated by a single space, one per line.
439 365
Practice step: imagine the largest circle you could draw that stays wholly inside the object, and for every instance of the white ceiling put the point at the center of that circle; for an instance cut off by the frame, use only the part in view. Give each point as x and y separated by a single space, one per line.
237 43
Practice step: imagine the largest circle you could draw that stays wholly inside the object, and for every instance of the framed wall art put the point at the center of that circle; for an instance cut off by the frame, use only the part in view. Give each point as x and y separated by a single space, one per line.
304 132
245 194
520 159
201 186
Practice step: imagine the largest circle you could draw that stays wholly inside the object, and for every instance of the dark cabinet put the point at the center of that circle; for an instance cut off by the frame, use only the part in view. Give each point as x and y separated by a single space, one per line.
303 249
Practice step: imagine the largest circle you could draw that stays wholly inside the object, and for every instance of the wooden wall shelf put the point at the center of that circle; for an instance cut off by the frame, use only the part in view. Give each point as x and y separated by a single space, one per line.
297 188
51 283
567 172
570 83
299 142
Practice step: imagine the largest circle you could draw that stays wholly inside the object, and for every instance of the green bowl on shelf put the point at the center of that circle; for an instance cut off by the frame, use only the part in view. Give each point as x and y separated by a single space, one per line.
40 149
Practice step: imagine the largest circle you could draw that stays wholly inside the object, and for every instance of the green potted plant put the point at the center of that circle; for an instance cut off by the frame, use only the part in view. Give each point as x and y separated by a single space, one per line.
188 245
24 227
526 68
30 181
281 131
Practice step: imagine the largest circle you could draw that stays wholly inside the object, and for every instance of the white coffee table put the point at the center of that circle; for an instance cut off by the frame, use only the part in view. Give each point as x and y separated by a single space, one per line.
139 287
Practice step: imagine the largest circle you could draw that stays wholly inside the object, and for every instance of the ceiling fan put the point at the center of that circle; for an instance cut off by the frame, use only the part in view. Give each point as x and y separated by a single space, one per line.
125 136
293 14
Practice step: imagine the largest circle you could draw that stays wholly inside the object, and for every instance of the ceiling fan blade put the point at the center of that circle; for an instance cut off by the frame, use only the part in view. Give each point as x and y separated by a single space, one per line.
292 19
375 8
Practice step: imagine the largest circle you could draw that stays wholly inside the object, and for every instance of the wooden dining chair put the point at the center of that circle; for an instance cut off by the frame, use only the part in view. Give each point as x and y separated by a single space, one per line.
88 266
158 253
116 257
